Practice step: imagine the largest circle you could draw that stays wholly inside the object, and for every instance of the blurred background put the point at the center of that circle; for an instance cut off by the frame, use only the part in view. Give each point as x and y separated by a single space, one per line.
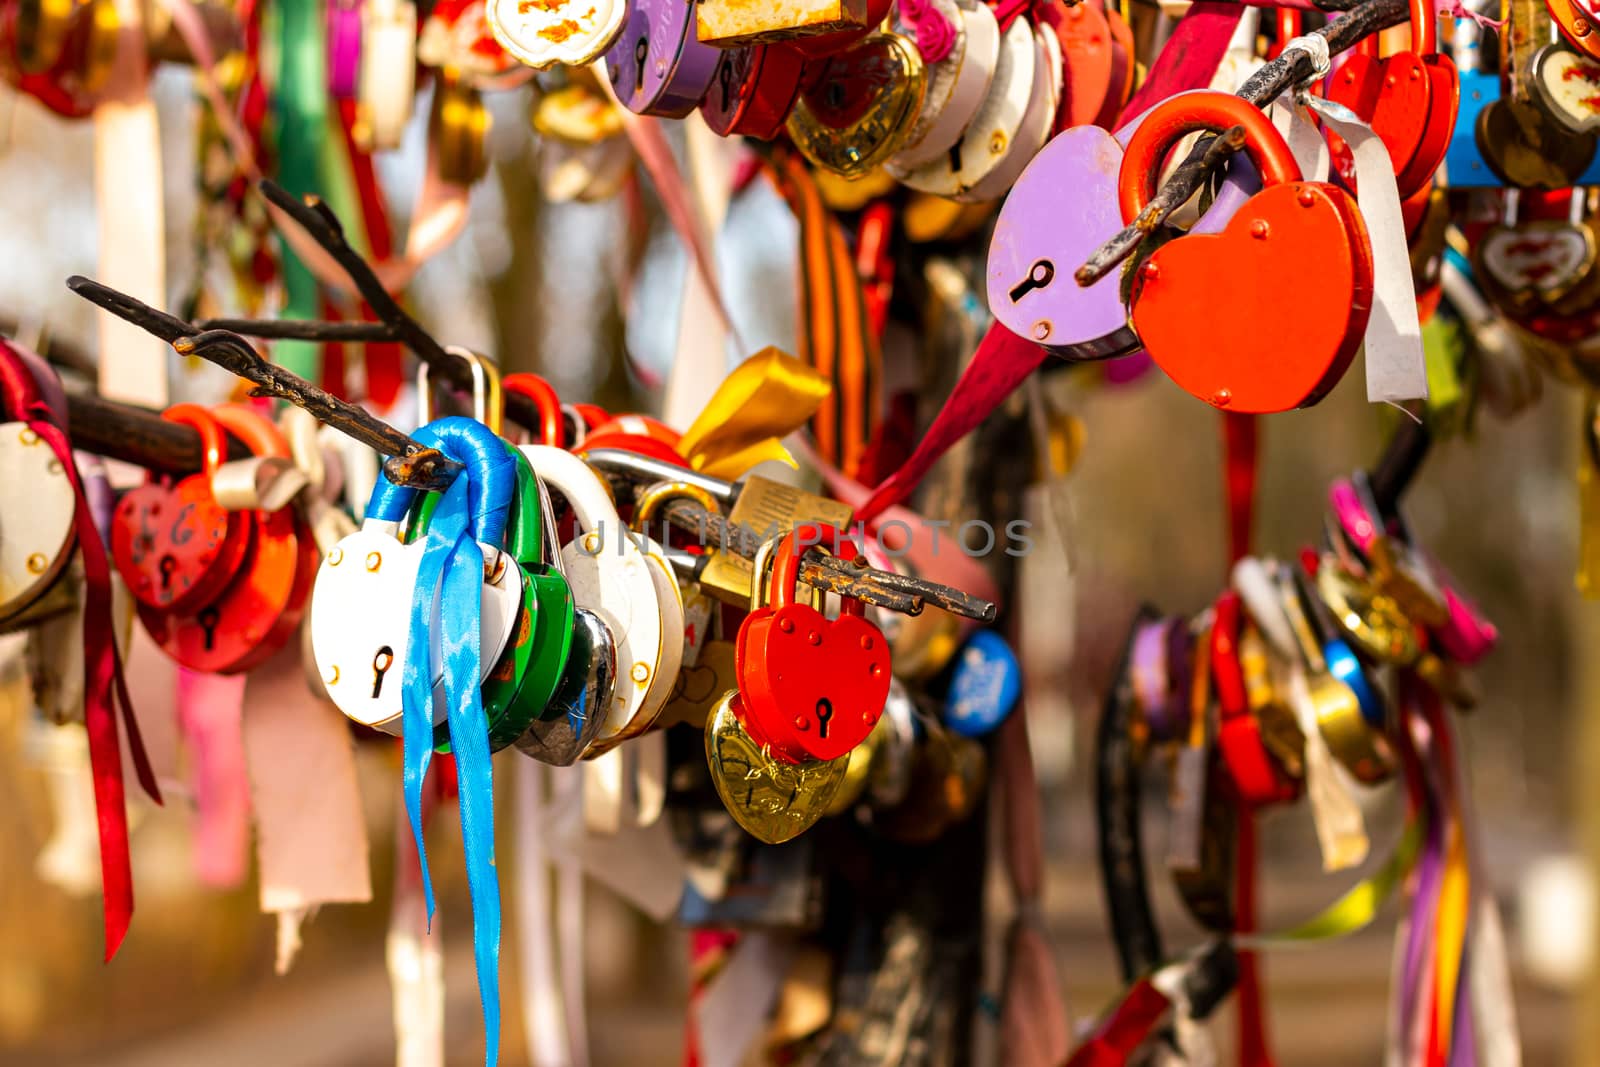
195 980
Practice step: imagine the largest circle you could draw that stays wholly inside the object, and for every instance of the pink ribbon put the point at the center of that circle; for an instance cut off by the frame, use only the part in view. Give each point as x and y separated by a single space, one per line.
210 714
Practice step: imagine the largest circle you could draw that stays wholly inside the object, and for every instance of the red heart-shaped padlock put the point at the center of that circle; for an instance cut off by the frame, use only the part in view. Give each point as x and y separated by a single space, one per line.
257 612
1409 99
1282 347
812 688
175 546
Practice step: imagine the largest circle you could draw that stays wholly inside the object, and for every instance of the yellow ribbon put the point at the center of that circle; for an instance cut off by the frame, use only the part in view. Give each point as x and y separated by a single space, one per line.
765 398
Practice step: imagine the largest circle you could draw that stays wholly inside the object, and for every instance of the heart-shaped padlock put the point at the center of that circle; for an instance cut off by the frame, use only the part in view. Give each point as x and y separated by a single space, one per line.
1464 165
812 687
753 91
1035 247
956 85
860 107
1257 776
37 502
361 603
258 611
610 577
175 546
775 800
1241 270
1088 51
657 65
1409 99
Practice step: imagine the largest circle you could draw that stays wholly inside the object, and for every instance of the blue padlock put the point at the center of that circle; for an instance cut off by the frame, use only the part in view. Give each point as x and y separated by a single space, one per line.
984 685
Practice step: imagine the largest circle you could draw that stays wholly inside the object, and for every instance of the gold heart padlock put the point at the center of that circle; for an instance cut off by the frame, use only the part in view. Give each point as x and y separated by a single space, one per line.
774 801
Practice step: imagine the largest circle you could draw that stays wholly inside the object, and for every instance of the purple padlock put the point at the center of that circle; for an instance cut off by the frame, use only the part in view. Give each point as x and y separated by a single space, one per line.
1061 209
344 48
658 65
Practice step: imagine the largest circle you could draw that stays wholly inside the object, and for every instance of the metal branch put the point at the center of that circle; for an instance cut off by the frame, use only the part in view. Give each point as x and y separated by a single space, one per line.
314 330
1264 86
898 592
409 463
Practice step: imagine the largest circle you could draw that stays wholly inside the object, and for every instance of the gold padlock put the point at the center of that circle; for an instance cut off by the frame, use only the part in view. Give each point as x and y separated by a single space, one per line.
765 507
726 23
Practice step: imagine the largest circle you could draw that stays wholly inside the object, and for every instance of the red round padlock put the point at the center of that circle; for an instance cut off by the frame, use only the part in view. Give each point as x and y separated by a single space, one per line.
1256 775
1238 275
174 545
810 687
257 613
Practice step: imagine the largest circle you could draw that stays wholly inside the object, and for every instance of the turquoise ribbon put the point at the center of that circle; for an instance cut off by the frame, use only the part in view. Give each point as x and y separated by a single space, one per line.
450 577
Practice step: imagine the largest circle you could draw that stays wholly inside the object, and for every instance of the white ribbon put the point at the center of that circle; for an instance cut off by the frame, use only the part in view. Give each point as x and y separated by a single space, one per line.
1396 367
1341 828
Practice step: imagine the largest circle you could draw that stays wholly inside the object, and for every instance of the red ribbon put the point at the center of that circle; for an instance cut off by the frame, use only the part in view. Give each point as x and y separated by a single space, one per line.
103 681
999 365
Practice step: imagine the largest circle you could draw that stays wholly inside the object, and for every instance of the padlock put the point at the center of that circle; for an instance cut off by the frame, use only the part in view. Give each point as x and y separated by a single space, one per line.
811 687
362 602
1088 52
987 139
37 503
1529 266
1409 99
752 91
985 685
257 612
957 85
861 106
174 545
1520 142
1258 778
551 429
1038 120
458 127
775 800
698 607
656 64
1464 165
545 34
1576 20
1034 248
610 576
1239 272
728 23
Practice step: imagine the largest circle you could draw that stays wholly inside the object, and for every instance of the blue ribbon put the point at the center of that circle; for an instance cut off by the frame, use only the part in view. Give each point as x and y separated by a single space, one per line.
451 576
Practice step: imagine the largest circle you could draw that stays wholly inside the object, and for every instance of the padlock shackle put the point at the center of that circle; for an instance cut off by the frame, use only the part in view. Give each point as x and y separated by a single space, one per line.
213 441
652 499
491 474
650 468
786 565
258 432
1177 116
552 427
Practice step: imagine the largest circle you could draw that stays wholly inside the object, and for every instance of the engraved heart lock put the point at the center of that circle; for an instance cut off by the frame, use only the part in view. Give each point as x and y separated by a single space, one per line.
860 107
1526 266
257 612
957 84
37 535
774 800
1240 271
1577 19
657 65
175 546
811 687
1036 246
1409 99
362 601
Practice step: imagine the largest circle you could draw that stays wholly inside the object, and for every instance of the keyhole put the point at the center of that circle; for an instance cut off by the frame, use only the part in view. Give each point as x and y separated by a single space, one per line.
1039 276
955 158
380 666
835 95
208 622
824 713
725 76
640 50
168 565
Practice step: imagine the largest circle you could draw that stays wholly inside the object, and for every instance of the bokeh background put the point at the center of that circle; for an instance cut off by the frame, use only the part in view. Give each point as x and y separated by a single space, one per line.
537 285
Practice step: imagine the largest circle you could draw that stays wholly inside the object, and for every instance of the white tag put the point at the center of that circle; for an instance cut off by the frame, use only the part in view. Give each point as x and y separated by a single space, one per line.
1396 367
1341 828
1306 142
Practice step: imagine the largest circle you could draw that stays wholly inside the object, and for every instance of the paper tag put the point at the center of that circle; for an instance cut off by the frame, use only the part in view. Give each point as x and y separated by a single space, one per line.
1341 828
1396 368
1306 142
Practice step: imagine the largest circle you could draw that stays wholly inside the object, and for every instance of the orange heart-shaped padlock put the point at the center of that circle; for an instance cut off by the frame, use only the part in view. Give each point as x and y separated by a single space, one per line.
1410 99
1281 349
256 613
175 546
811 688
